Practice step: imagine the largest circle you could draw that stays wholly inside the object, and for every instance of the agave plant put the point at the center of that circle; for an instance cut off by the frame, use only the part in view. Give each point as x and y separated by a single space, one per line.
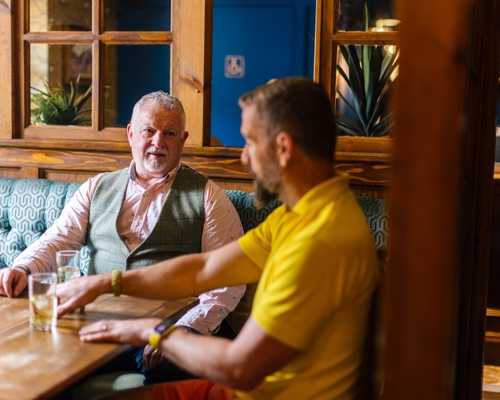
56 107
370 79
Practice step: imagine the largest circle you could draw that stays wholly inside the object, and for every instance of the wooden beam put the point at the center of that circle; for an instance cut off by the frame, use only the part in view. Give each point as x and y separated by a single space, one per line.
423 271
6 91
191 74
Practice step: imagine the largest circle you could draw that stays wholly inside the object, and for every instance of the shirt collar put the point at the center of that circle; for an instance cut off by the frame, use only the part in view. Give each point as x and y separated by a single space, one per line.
323 193
132 173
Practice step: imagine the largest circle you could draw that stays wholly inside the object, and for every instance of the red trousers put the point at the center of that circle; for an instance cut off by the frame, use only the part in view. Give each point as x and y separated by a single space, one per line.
194 389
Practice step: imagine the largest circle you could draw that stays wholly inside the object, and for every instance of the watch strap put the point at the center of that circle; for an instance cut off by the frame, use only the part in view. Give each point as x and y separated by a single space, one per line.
160 332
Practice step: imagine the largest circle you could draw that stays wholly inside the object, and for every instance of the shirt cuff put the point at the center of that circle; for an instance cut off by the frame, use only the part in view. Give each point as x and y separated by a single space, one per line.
23 268
188 329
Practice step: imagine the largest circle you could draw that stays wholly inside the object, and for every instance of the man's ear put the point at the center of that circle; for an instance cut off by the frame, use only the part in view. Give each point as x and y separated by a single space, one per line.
185 136
284 148
130 133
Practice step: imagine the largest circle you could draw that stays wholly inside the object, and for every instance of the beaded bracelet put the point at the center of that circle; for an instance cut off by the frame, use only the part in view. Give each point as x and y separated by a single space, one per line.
116 282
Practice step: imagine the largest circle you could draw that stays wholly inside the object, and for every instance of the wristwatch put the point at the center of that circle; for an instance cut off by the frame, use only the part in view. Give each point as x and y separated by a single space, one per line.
161 331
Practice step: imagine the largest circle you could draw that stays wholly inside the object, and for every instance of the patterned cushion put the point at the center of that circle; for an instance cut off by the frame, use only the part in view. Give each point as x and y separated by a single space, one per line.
375 211
376 214
27 208
250 215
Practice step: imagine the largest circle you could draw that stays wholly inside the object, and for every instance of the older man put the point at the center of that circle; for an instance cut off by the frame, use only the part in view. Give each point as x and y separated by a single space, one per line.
314 258
154 210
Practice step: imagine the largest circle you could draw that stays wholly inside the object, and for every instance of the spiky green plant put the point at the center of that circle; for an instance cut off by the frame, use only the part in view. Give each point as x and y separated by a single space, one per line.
369 79
56 107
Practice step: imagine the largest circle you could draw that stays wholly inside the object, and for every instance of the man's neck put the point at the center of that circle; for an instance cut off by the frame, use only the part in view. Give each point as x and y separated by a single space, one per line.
300 180
145 181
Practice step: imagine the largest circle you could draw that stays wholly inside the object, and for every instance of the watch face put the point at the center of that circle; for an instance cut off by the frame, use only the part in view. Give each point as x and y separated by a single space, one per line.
162 327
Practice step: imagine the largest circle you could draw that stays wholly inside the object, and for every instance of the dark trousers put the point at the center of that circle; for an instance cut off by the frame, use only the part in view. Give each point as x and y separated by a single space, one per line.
131 360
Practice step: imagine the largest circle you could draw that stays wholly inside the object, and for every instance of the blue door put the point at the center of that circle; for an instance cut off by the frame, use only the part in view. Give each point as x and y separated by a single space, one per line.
255 41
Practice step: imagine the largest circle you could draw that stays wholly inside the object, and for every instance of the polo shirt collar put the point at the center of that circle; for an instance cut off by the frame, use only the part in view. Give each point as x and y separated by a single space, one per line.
323 193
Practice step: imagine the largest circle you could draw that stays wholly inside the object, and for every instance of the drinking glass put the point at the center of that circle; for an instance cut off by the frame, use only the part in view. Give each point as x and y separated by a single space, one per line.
43 300
68 265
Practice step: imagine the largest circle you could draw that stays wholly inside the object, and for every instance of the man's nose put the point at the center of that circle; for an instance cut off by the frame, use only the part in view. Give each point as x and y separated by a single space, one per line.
245 160
157 139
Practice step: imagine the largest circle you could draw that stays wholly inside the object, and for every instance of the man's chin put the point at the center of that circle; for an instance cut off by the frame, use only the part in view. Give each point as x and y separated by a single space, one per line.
156 168
262 196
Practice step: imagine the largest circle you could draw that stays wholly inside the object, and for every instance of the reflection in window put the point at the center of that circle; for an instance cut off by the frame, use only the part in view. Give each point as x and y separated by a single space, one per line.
131 72
365 81
60 84
351 13
133 15
60 15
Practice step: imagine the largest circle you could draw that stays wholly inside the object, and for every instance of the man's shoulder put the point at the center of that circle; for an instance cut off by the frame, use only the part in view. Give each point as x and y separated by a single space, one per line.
123 171
185 169
189 174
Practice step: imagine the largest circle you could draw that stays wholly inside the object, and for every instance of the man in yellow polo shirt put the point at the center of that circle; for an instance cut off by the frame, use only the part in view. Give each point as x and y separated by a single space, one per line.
314 259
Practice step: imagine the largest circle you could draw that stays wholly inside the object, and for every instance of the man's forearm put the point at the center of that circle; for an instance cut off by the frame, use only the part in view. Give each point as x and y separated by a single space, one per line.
170 279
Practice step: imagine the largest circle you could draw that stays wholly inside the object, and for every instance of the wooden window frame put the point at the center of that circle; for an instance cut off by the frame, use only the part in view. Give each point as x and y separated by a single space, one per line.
189 48
328 37
366 159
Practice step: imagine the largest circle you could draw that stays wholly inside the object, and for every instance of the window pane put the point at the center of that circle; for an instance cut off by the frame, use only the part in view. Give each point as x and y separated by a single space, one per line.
351 13
57 72
133 15
365 81
60 15
131 72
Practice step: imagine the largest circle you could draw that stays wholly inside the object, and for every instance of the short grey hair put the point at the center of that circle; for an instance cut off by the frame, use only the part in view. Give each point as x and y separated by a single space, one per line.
162 99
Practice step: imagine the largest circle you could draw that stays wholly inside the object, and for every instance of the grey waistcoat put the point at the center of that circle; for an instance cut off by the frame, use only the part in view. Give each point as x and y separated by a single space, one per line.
178 230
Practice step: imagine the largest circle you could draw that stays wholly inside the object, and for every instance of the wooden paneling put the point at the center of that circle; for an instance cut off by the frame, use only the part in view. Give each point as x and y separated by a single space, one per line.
475 197
439 200
68 161
494 270
10 172
5 69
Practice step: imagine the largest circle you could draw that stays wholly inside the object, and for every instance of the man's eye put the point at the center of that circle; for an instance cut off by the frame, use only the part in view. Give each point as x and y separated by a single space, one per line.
148 132
169 135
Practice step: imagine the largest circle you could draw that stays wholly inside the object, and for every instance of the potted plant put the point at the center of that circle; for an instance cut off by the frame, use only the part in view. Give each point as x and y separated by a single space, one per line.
370 78
56 107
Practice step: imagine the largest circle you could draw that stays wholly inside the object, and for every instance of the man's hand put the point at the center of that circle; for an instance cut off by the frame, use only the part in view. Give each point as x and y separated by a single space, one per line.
12 282
151 358
79 292
132 331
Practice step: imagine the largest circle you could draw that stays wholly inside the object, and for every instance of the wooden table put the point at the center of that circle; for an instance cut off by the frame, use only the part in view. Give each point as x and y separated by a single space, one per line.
38 365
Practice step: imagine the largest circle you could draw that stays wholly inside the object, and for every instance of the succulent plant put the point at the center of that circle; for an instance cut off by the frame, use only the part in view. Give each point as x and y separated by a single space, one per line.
55 106
370 78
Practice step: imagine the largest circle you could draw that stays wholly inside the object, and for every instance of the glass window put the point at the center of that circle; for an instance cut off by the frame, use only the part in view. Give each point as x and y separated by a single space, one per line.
351 13
365 82
131 72
81 75
133 15
60 84
364 41
60 15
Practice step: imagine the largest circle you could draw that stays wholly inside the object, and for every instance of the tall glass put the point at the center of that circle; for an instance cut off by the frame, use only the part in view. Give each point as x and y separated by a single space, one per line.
43 300
68 265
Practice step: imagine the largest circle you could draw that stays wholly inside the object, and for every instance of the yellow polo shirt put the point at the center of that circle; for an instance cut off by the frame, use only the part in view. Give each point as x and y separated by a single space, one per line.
319 270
